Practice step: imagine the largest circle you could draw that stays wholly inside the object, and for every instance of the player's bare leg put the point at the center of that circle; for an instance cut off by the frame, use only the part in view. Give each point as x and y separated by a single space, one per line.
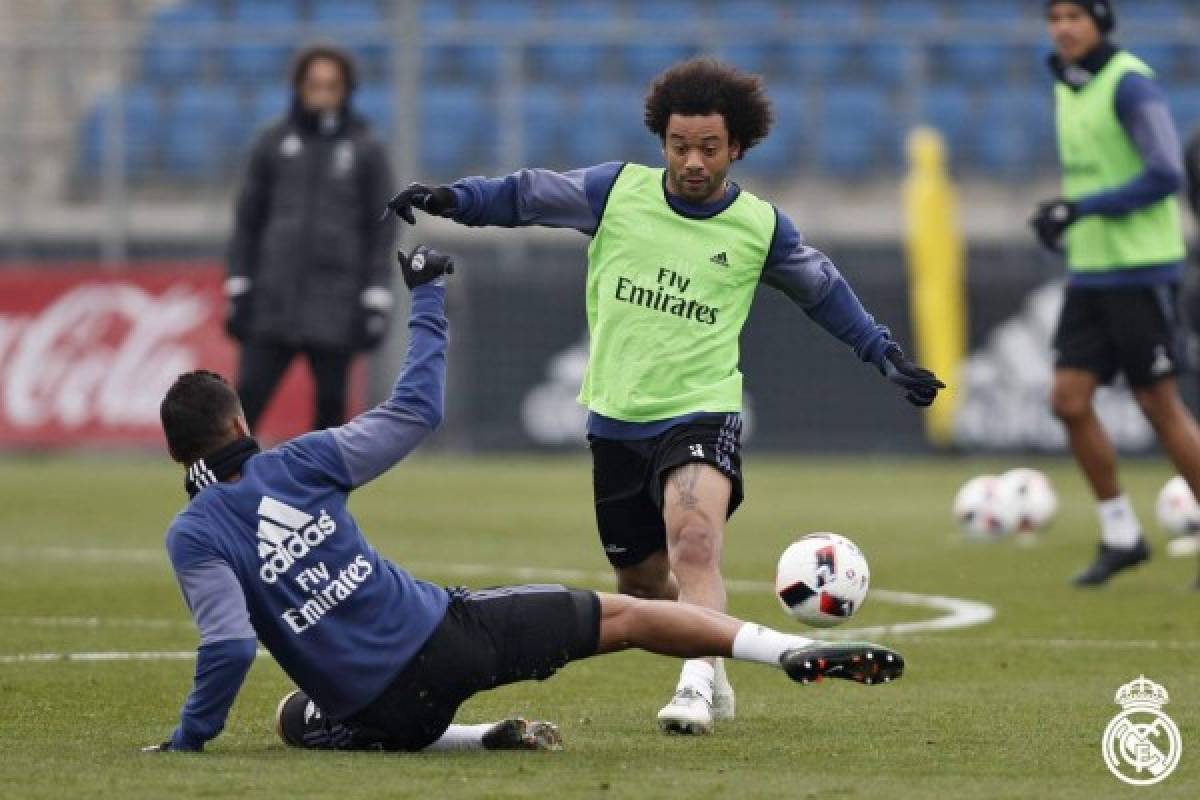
649 580
688 631
1122 544
695 503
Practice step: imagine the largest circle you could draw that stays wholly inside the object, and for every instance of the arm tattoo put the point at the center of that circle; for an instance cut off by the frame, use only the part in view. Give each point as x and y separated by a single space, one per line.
684 480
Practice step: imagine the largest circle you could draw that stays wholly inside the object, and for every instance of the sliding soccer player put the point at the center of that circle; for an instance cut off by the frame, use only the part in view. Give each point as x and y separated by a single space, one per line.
676 257
267 551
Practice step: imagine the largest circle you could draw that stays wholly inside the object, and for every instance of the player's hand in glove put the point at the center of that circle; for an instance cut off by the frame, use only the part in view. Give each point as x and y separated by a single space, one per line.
1051 221
435 200
373 317
424 266
920 384
237 315
165 747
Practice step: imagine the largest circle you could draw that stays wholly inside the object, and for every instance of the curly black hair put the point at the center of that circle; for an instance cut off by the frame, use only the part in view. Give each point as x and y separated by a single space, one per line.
702 86
304 59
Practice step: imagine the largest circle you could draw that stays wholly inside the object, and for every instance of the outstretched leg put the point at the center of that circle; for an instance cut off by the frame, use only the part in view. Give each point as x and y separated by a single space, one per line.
687 631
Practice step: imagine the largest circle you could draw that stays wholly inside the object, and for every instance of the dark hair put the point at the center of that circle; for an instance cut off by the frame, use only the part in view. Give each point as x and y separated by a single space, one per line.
702 86
305 58
195 414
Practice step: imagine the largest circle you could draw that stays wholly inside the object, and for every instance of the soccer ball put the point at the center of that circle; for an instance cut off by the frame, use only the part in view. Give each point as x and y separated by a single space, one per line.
985 508
822 579
1177 510
1034 497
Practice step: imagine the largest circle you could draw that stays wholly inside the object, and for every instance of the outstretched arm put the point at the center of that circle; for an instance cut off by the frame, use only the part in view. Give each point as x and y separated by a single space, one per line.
810 279
227 642
528 197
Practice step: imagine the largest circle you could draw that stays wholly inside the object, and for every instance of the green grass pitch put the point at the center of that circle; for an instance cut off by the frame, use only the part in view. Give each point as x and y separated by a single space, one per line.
1011 709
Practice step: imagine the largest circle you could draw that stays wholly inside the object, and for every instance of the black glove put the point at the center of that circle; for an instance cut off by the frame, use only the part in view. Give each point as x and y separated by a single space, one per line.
373 318
1051 221
922 385
424 266
238 308
436 200
165 747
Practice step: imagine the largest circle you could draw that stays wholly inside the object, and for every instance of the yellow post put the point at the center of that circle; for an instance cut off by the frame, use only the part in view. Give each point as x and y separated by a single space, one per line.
937 291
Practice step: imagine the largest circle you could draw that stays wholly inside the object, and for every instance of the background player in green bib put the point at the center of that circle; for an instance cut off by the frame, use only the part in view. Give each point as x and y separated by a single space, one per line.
676 257
1119 219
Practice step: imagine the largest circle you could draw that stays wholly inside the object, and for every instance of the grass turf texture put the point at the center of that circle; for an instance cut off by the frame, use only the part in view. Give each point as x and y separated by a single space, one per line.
1015 708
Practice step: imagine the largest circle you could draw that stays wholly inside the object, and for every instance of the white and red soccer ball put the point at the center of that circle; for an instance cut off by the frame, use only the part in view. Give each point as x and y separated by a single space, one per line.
822 579
1019 501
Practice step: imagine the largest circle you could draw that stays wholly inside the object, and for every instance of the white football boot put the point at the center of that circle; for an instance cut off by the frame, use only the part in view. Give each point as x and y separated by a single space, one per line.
724 704
689 713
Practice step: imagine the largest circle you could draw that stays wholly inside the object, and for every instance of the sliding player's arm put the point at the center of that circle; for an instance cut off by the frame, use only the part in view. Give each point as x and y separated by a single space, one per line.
227 640
810 279
528 197
376 440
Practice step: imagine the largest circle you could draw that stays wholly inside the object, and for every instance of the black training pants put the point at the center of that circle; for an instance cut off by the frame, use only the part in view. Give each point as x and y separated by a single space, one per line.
263 364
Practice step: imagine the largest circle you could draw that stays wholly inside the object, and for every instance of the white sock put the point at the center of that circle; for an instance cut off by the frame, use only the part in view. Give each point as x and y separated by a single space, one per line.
698 675
720 679
461 737
763 645
1119 526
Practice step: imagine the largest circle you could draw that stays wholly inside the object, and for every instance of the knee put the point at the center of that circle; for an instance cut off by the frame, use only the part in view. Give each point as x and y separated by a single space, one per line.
696 545
1158 404
1070 405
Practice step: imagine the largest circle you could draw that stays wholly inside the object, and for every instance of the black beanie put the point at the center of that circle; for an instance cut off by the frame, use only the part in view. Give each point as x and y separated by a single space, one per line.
1100 10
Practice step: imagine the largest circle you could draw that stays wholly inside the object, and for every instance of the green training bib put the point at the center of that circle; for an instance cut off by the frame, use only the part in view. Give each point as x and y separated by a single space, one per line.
1098 155
667 297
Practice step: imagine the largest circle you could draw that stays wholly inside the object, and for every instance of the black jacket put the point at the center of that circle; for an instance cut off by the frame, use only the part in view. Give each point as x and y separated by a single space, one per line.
307 233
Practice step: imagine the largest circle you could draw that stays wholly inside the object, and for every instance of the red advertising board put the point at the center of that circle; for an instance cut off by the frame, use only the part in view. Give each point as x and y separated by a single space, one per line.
86 353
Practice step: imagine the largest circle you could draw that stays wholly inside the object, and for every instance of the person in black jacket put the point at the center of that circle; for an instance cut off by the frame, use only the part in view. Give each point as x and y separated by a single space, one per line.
309 267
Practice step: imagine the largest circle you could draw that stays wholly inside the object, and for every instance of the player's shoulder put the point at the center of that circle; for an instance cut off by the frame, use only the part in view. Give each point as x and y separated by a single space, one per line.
187 538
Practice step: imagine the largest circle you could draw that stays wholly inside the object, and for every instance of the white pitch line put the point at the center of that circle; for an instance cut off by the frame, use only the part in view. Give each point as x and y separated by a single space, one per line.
957 612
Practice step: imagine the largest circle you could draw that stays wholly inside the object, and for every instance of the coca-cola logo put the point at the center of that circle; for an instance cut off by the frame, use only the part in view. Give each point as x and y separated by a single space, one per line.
99 354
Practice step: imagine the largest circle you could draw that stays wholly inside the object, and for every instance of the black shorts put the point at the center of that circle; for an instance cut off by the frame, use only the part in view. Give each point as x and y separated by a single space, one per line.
488 638
1132 330
628 476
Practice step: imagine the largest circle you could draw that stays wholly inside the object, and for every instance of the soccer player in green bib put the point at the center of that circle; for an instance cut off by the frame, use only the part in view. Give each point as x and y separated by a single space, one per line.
675 259
1120 224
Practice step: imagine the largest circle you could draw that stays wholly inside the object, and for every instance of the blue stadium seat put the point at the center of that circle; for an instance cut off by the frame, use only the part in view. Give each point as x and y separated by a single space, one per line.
143 122
170 56
546 112
781 151
750 57
947 108
849 143
909 14
1154 12
376 102
975 62
365 18
819 62
571 63
888 63
435 14
642 62
1166 59
250 61
992 13
506 12
268 104
201 131
463 119
666 11
1014 131
829 13
608 127
753 13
